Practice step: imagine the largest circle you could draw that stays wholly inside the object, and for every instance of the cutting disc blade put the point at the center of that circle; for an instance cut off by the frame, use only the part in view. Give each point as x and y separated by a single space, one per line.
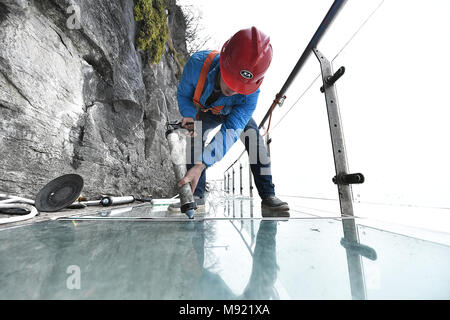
59 193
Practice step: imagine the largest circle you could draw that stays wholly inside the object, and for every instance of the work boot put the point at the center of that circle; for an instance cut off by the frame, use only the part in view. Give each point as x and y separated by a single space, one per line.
274 207
199 201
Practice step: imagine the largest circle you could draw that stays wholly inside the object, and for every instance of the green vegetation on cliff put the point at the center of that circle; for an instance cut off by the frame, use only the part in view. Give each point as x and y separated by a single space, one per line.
154 30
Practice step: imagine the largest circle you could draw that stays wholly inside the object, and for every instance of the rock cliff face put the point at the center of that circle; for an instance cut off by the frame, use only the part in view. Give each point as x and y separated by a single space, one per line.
76 96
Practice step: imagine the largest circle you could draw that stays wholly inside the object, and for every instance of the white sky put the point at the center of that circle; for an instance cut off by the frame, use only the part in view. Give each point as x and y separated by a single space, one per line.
392 98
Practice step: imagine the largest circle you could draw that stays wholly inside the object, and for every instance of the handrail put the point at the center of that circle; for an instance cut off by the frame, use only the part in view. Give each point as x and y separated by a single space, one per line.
320 32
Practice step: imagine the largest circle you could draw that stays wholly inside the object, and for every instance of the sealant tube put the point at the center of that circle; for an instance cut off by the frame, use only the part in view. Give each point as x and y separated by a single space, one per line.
109 201
177 148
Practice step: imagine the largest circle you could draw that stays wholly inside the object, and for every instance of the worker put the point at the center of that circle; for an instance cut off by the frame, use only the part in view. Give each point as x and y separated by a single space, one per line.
222 89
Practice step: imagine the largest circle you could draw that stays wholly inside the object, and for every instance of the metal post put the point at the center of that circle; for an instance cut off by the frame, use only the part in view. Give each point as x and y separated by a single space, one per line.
337 136
250 180
225 184
252 224
242 213
343 179
268 141
240 179
233 181
234 207
227 178
228 182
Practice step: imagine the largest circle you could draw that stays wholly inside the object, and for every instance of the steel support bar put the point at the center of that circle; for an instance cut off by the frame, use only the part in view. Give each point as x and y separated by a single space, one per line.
240 179
233 181
354 249
337 136
250 181
227 175
268 141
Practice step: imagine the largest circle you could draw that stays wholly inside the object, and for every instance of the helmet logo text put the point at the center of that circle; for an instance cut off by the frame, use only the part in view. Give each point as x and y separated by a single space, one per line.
246 74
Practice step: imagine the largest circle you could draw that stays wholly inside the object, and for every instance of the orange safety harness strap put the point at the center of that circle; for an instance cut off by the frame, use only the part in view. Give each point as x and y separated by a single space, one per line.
279 101
201 84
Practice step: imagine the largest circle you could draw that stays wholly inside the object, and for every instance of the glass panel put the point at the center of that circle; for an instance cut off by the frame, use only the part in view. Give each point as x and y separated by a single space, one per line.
406 268
218 259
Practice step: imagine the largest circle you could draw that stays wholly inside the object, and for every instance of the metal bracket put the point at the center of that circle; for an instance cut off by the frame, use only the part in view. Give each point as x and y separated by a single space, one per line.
330 80
353 178
279 99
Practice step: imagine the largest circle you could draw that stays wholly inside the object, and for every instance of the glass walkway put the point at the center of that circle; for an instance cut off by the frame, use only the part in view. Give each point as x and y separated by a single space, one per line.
228 252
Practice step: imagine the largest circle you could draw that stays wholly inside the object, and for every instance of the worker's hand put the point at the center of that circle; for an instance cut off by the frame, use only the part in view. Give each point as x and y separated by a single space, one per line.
192 176
188 123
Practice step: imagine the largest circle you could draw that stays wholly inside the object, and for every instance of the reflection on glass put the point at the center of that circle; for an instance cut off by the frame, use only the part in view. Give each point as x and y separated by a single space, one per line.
264 268
220 258
355 251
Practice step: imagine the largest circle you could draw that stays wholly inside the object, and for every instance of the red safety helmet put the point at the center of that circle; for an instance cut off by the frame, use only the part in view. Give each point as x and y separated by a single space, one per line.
244 60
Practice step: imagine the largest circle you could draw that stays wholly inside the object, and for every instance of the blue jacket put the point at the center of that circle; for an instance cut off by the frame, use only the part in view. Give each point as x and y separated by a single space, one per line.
238 108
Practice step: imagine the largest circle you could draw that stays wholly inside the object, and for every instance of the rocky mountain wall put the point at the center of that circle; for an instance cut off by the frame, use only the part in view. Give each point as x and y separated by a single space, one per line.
76 96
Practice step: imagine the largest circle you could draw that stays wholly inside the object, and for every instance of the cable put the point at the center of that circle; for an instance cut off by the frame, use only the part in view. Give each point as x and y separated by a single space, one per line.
32 214
359 29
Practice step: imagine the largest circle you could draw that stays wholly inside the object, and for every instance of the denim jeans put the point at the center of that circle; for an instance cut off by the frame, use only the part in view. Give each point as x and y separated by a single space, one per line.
259 164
